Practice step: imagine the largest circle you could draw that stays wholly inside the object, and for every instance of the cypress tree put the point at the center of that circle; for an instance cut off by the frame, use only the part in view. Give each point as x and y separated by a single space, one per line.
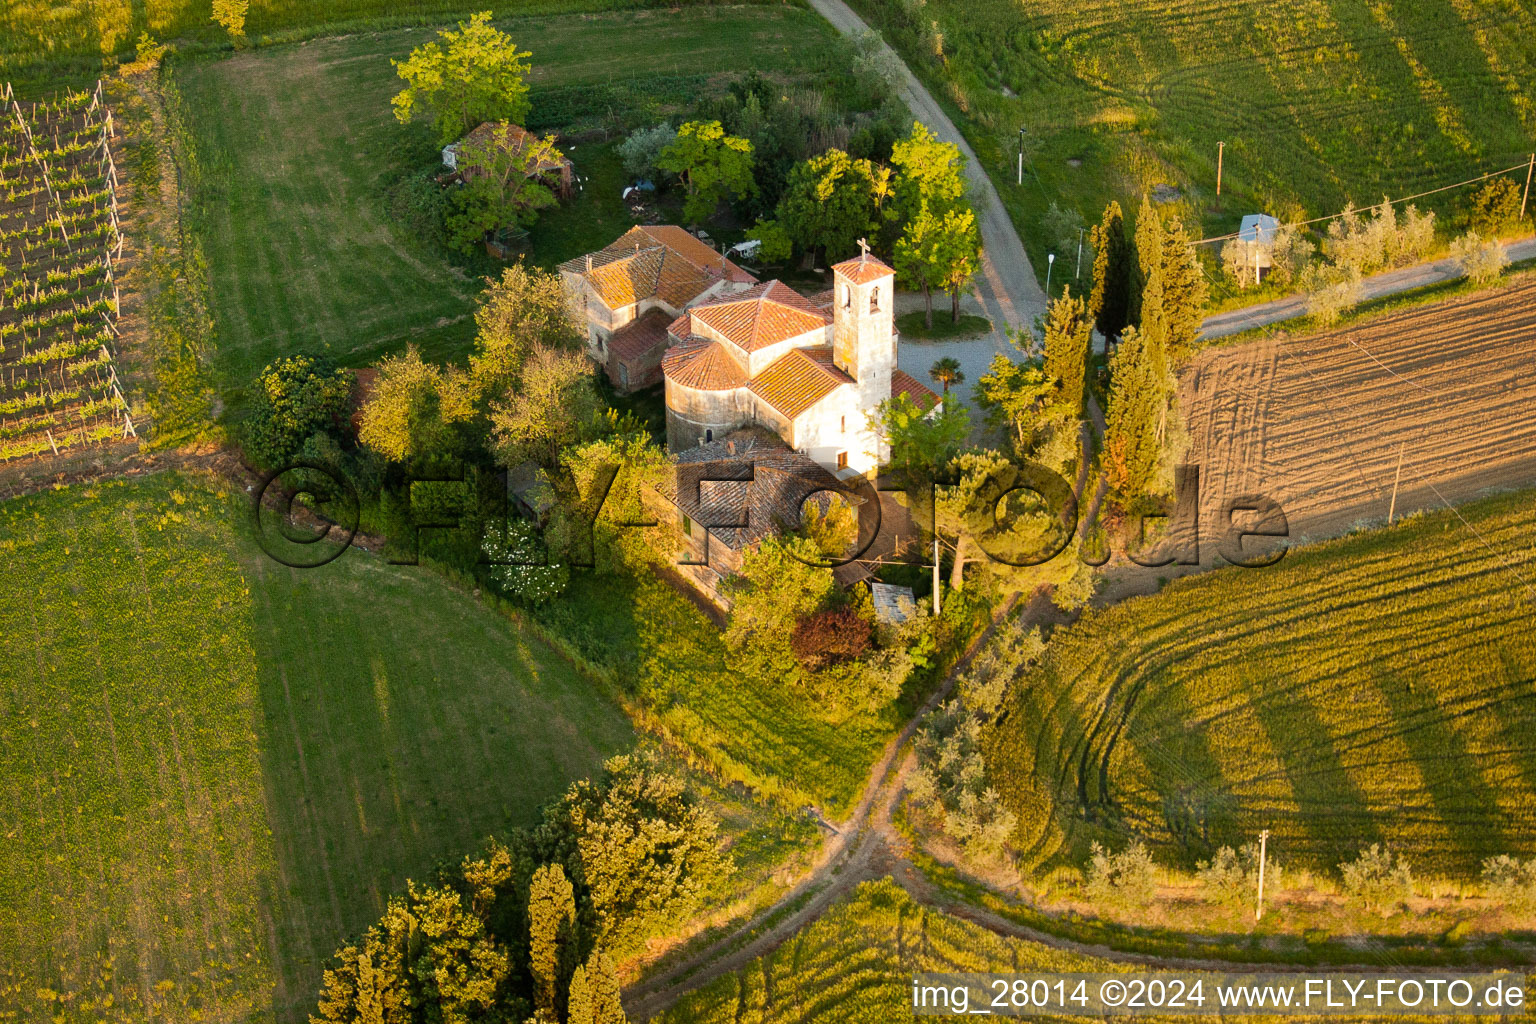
1149 254
1108 303
1068 346
595 993
1131 448
1184 292
551 934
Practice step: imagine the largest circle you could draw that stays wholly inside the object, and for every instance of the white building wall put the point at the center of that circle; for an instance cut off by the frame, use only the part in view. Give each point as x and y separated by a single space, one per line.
835 425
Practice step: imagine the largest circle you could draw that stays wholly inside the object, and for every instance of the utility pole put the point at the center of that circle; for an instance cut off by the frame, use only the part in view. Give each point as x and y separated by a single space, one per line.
1392 509
1529 167
1021 157
1079 275
1050 264
1258 909
935 577
1221 149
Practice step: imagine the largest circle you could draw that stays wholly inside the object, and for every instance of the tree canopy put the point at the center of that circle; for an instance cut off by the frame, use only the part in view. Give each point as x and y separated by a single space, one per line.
1109 302
500 187
471 74
416 409
829 203
712 165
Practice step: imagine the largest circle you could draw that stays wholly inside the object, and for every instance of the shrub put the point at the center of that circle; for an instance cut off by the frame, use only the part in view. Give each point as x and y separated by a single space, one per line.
1331 293
1481 261
951 782
1377 880
984 684
1511 882
1126 879
1381 240
519 565
1496 207
1232 876
296 397
834 636
643 147
1060 230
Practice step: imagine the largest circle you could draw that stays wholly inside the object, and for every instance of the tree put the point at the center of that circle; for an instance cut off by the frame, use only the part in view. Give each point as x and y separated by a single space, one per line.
460 968
554 403
774 243
1232 876
961 255
712 165
296 397
929 173
525 310
999 522
829 203
1481 261
780 583
831 636
1017 395
595 993
231 15
1148 256
945 372
1184 292
1124 879
951 782
475 74
641 151
501 185
921 442
1377 879
918 258
1495 208
1109 302
1511 882
552 939
416 409
1068 348
644 850
1132 450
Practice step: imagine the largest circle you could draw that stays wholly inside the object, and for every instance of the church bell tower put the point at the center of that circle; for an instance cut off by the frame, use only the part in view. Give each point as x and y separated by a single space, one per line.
864 325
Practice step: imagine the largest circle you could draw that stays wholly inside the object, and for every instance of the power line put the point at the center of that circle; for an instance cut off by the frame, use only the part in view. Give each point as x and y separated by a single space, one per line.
1367 209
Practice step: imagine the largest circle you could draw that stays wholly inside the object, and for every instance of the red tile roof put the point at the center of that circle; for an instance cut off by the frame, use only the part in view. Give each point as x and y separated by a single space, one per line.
862 269
639 337
656 272
798 380
703 364
760 316
903 383
693 250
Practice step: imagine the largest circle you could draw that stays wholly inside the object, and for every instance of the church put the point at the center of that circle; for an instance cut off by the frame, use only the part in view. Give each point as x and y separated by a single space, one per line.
733 353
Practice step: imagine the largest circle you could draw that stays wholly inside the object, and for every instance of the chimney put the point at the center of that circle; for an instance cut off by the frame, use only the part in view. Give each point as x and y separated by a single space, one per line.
730 447
589 263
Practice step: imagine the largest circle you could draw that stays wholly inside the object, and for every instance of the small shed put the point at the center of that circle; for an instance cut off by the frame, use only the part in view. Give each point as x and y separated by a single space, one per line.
559 175
893 605
1257 235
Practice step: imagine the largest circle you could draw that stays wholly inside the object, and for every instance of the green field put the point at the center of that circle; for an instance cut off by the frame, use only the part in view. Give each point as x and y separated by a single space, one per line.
213 768
1318 102
1377 688
777 738
300 149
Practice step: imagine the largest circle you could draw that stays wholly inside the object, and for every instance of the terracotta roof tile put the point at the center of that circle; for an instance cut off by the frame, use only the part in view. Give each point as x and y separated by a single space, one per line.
638 337
758 317
647 273
694 251
798 380
703 364
903 383
781 481
863 269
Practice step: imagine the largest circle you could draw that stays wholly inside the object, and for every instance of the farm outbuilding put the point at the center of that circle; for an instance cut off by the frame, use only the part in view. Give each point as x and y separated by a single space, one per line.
559 175
1257 235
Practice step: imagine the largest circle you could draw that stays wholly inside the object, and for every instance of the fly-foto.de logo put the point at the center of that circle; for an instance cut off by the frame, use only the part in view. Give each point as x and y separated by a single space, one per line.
1018 513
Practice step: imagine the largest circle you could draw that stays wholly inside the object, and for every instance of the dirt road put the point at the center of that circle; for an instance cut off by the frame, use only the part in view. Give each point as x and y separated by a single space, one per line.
1374 287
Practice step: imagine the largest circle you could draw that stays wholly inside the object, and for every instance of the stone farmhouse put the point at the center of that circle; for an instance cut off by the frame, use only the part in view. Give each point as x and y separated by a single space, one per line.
769 393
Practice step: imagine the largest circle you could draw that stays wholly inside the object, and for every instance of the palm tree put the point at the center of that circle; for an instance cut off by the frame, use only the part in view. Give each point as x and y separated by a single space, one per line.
946 372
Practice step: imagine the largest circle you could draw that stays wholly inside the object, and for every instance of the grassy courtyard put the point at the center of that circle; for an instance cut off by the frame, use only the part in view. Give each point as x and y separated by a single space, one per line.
213 768
300 152
1373 689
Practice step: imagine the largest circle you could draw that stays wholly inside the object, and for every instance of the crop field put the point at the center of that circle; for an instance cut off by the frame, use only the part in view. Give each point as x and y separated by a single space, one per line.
1319 421
59 240
214 768
302 150
1380 687
1318 102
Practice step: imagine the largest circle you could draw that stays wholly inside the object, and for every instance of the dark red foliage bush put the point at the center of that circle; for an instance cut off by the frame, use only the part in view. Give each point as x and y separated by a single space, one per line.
830 637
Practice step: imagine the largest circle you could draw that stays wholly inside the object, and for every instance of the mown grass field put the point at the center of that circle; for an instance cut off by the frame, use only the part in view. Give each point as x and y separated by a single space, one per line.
1318 102
777 738
214 768
1378 688
300 148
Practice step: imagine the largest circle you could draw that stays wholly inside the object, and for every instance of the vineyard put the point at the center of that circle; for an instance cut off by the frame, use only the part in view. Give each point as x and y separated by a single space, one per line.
59 243
1377 688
